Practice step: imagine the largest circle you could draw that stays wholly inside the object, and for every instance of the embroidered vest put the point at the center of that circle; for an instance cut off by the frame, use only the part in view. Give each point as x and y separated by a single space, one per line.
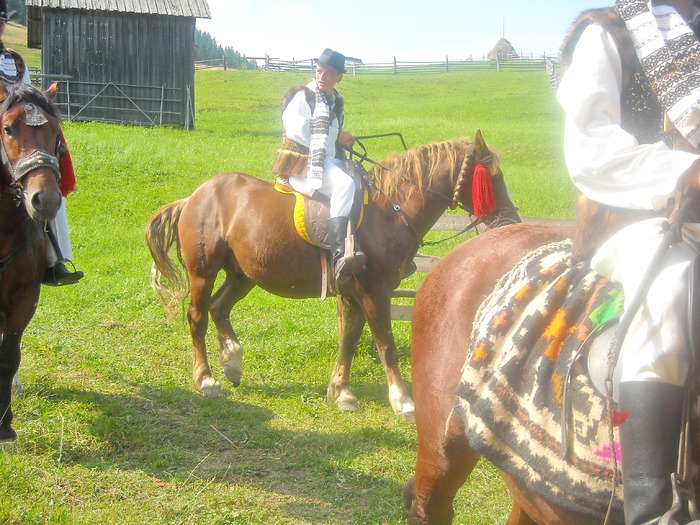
642 113
291 157
12 66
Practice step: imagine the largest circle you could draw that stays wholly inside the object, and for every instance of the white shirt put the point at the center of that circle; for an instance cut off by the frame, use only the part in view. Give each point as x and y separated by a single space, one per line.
296 119
605 162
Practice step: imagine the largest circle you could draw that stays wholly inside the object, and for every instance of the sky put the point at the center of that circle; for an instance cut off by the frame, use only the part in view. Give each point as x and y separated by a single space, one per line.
376 31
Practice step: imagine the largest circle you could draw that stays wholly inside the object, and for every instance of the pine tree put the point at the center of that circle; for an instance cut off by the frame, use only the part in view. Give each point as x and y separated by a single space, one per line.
206 48
21 8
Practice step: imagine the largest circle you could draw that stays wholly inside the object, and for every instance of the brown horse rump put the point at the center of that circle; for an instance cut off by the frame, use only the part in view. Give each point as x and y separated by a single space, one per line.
527 359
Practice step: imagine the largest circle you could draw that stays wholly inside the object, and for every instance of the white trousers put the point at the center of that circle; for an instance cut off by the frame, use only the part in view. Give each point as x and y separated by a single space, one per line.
60 228
656 346
337 185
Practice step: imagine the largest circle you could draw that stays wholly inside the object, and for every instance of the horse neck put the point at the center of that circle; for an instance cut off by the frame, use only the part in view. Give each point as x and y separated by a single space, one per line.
14 220
427 204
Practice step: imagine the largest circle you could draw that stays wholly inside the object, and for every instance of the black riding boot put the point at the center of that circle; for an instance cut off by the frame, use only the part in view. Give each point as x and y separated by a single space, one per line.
337 230
649 441
58 274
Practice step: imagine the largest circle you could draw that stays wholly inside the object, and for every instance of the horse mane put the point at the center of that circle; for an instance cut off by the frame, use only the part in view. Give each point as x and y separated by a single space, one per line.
21 92
421 165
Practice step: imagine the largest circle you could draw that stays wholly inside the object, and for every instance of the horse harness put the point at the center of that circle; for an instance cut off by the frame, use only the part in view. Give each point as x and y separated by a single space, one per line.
25 165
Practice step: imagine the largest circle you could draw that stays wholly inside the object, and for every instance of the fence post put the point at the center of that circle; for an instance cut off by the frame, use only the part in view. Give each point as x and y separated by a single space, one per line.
447 64
394 65
68 98
498 62
267 62
224 60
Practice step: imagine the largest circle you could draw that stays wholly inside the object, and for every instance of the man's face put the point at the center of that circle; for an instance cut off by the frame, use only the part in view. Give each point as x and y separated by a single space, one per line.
327 78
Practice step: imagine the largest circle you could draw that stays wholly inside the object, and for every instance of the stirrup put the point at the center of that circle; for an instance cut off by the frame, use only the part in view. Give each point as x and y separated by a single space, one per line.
60 275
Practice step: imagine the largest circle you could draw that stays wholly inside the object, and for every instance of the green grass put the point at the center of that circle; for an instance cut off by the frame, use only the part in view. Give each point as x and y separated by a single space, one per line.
110 428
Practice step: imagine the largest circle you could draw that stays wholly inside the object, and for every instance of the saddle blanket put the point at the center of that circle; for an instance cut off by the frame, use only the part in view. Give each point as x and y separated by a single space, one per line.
526 373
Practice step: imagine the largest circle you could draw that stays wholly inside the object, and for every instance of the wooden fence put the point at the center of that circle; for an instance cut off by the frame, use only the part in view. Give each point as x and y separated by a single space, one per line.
396 67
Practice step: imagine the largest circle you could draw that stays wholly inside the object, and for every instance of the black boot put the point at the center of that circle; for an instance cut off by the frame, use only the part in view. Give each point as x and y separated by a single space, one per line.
649 442
337 230
60 275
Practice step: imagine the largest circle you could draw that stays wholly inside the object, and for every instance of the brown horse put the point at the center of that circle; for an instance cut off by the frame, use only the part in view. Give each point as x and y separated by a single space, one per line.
240 224
29 196
443 315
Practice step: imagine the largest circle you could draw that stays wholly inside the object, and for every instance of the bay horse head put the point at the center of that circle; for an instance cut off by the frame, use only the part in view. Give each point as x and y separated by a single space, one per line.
29 145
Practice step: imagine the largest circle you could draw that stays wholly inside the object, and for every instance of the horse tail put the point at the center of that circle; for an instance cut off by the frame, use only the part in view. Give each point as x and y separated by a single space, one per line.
169 282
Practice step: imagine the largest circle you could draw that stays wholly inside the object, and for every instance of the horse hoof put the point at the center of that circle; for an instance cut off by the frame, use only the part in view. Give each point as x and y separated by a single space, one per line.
409 417
233 375
347 402
7 435
211 388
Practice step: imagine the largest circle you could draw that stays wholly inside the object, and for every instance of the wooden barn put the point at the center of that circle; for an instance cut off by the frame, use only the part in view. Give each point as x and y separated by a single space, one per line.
119 60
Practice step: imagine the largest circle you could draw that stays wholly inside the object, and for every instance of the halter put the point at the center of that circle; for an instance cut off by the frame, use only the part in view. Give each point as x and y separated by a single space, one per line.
38 159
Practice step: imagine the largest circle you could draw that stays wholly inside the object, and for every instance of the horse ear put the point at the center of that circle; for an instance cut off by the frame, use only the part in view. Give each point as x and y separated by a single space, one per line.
52 92
480 145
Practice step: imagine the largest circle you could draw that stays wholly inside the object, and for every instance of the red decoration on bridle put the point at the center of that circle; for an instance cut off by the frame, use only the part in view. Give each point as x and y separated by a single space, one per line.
483 197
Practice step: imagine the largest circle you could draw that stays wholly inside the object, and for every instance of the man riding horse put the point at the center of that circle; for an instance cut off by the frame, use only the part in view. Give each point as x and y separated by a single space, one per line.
13 70
631 94
311 152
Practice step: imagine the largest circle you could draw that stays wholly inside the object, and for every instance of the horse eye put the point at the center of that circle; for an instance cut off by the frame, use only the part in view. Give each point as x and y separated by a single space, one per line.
8 131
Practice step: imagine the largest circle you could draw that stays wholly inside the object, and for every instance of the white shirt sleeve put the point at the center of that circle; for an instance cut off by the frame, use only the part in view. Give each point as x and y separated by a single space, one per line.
296 119
606 162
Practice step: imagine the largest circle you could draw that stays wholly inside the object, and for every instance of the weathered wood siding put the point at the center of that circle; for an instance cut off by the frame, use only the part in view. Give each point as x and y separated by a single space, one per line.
144 55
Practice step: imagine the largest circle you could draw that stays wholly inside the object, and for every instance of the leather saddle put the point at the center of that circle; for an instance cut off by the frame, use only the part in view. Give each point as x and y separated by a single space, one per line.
311 213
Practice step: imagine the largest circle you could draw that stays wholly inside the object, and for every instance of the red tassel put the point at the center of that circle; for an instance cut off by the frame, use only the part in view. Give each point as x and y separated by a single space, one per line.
65 166
483 197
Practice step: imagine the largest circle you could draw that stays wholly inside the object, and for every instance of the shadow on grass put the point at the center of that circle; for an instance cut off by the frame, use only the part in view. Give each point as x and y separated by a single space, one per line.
175 436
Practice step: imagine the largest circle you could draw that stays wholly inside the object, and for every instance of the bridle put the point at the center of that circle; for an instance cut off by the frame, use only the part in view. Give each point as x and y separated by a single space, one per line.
25 165
36 160
471 159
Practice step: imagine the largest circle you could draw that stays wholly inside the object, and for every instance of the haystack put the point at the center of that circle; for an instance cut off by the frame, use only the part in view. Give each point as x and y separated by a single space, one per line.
503 50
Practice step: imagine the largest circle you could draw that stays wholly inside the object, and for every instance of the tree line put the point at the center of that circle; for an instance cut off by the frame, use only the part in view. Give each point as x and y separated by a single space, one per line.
21 8
206 48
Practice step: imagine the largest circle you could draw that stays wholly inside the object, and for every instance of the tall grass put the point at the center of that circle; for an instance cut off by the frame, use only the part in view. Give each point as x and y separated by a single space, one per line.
110 429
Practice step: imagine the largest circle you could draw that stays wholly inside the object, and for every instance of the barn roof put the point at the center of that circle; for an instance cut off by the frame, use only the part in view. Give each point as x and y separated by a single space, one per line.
189 8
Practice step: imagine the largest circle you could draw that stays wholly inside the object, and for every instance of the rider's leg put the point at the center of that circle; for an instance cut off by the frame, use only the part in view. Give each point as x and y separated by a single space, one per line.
340 188
655 359
58 251
649 443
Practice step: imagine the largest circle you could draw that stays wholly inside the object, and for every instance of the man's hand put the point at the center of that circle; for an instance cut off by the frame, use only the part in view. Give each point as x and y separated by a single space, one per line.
345 138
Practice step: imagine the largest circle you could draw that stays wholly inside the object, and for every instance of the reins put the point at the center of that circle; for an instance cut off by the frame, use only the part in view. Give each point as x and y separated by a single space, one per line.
453 201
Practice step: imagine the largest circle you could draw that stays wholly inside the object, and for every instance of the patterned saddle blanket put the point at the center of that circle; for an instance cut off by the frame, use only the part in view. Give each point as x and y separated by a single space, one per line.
526 374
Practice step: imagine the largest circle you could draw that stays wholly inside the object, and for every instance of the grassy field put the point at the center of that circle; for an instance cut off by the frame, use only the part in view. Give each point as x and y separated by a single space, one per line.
110 428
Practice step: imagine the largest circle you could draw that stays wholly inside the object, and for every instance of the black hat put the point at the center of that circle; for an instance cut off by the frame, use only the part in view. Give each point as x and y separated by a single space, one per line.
4 14
330 58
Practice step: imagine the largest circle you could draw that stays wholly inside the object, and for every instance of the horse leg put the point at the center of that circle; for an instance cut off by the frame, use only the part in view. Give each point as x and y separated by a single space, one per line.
197 315
377 310
230 352
351 320
9 364
443 464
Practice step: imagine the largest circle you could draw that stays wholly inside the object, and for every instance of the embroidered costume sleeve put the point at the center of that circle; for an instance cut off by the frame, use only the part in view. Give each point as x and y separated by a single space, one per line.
607 163
296 119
